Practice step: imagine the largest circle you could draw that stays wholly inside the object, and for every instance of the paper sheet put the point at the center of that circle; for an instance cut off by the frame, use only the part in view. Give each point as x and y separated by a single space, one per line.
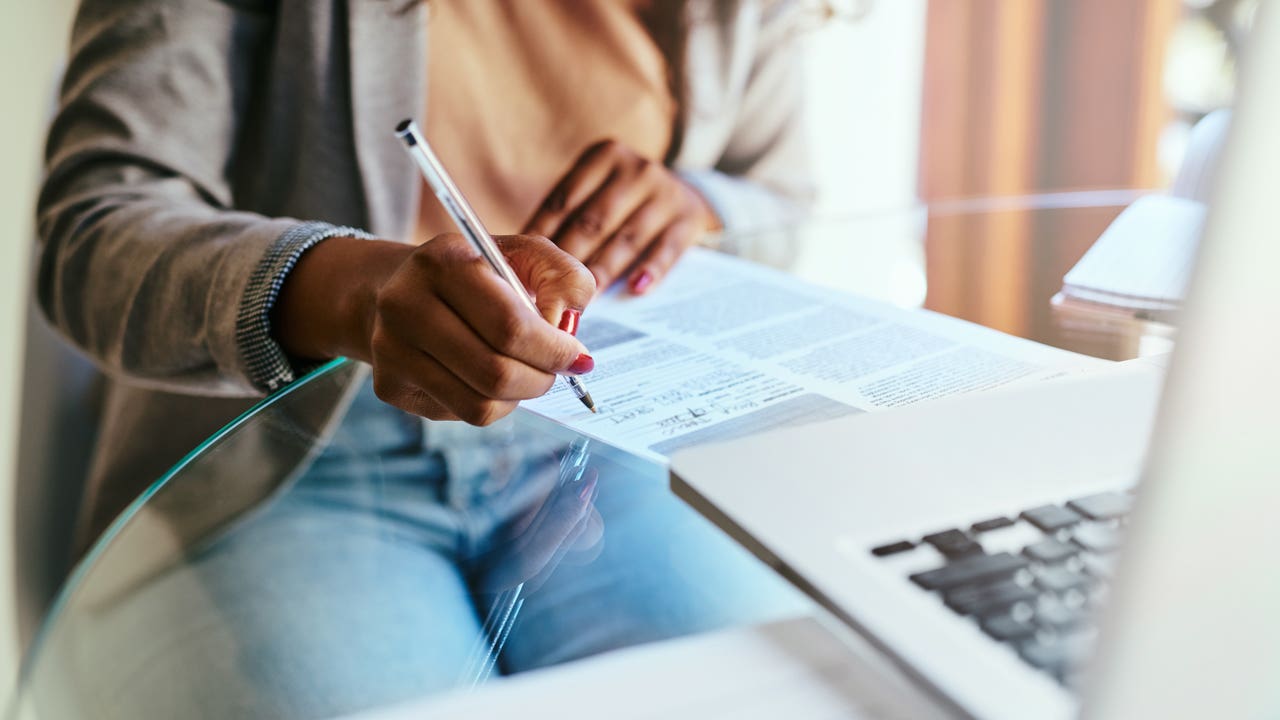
725 348
1144 259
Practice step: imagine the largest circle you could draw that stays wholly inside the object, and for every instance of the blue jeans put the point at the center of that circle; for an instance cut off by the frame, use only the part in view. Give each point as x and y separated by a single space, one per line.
368 582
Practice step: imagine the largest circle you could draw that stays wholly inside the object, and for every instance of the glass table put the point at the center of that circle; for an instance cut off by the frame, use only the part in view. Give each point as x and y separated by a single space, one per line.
319 556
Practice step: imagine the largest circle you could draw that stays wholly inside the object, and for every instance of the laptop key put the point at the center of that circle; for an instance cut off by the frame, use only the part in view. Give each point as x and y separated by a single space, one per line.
1103 506
1061 654
1051 518
1006 628
1102 567
893 548
986 600
953 543
1052 614
968 570
1049 551
1096 538
995 523
1073 680
1060 579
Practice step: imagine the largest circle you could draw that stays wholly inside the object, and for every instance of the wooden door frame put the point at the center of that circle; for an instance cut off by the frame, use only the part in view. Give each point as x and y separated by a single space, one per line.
1024 97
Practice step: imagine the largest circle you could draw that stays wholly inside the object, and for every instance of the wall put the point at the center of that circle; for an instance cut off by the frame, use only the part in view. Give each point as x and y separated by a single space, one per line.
32 43
865 77
865 86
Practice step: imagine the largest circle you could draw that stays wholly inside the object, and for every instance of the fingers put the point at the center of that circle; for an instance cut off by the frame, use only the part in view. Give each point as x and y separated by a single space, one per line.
629 243
474 362
616 209
630 185
495 312
661 255
557 281
416 382
560 516
451 340
588 173
533 550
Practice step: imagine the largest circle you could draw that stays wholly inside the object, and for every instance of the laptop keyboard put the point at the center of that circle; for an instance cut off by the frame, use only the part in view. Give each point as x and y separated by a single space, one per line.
1033 582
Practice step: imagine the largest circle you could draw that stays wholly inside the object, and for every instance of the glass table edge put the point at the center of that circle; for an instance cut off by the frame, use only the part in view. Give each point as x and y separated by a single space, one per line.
77 575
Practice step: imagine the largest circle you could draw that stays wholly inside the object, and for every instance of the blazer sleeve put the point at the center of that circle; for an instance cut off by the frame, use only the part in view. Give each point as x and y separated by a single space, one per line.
764 178
144 263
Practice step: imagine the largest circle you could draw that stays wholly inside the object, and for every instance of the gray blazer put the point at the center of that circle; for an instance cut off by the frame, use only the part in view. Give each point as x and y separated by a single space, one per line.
202 145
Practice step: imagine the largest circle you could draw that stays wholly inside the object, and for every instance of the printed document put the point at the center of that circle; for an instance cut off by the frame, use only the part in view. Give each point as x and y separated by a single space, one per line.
724 348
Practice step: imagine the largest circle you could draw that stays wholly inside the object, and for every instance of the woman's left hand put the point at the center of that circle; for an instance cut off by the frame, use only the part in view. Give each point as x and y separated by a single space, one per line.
622 213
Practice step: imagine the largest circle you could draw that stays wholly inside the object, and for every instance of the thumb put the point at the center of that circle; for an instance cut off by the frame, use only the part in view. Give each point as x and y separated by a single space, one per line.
555 279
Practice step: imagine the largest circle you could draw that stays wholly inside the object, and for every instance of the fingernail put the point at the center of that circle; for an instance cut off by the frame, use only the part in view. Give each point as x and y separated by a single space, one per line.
569 321
582 365
587 488
641 282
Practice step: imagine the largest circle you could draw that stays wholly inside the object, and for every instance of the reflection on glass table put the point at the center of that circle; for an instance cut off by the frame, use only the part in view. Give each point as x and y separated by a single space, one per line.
406 558
324 554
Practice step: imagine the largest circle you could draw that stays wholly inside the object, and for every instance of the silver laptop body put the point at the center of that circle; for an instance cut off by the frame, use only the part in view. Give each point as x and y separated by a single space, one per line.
1180 620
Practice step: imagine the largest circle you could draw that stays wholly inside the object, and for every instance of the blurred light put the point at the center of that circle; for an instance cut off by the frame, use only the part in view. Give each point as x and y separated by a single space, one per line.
1244 13
1199 75
1171 147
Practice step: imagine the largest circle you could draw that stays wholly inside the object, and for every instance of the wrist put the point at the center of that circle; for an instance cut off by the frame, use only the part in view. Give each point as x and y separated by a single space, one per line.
326 305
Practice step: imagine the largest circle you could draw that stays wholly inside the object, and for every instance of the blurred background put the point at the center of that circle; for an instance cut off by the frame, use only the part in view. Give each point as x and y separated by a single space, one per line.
33 39
985 115
919 106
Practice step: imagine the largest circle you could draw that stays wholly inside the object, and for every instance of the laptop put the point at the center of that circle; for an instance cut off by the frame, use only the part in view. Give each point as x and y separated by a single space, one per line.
1101 546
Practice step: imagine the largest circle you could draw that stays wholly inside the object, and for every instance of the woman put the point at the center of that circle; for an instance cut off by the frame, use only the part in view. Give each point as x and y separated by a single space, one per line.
192 133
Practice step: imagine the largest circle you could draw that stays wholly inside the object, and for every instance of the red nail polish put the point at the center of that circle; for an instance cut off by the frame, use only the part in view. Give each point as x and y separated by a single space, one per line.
642 282
569 321
582 365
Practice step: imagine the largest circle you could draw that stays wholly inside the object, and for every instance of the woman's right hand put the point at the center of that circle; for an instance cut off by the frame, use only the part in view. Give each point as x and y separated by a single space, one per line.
447 338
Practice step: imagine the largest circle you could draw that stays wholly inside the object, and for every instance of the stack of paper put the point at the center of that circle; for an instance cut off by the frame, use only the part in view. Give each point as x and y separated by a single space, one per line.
1141 264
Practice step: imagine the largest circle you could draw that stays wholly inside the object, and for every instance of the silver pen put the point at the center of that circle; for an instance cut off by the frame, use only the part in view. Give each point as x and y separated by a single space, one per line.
469 223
